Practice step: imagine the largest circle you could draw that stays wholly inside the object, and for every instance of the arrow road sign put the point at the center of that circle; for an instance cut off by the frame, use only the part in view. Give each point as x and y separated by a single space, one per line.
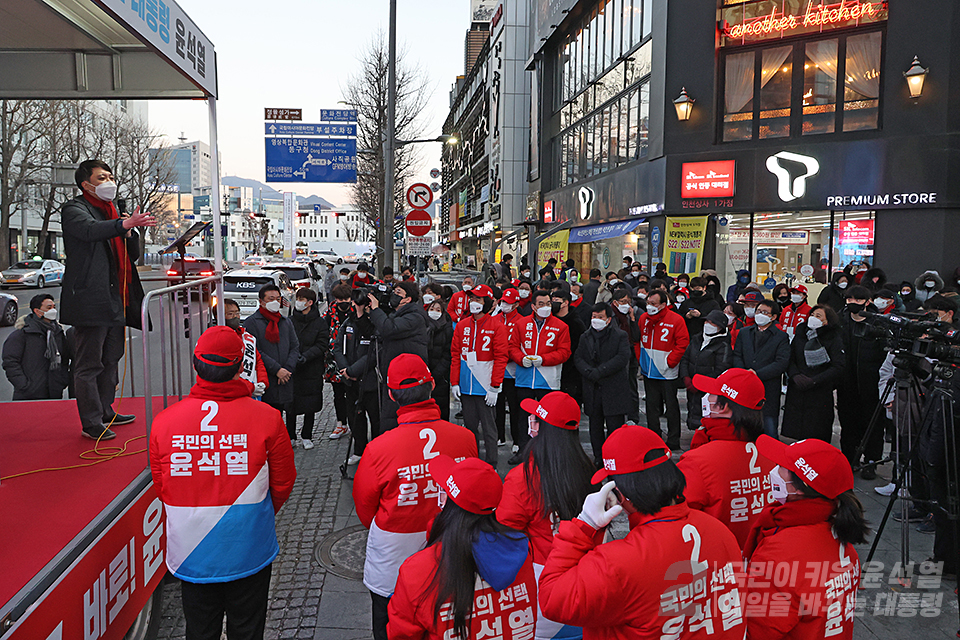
282 114
303 129
419 196
311 159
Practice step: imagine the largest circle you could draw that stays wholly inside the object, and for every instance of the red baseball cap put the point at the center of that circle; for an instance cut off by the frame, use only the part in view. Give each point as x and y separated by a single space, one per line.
625 450
510 296
682 291
472 483
819 464
481 291
799 288
556 408
219 347
740 385
407 371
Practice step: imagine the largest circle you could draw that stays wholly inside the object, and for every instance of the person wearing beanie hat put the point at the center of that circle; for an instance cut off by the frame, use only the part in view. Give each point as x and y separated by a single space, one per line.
508 314
222 560
479 355
725 476
392 490
476 576
709 354
549 486
807 537
633 587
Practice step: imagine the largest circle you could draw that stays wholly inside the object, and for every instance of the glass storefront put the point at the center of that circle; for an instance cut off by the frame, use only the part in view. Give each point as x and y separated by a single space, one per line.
606 254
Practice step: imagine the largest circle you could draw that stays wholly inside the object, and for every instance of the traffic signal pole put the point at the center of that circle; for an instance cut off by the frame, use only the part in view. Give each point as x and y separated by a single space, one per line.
389 146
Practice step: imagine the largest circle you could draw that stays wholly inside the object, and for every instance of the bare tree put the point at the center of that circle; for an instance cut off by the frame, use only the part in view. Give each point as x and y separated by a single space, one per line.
19 142
366 91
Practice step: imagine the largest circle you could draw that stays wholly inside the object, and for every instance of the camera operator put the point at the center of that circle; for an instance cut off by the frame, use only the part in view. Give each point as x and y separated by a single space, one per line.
403 331
933 455
355 351
857 395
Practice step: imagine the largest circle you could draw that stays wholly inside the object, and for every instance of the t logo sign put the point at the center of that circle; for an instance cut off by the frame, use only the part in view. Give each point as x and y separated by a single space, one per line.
787 190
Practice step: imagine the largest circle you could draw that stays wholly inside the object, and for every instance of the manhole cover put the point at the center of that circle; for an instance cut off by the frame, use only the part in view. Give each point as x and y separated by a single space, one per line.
342 552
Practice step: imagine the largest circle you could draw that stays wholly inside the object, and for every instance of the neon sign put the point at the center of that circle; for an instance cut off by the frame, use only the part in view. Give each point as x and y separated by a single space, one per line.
777 24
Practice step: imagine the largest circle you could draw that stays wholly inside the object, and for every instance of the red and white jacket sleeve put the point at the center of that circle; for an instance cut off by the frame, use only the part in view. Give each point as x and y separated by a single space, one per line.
561 352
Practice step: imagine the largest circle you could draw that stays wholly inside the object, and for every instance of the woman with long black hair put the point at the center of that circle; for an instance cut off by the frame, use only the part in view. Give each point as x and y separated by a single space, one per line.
807 538
438 594
548 487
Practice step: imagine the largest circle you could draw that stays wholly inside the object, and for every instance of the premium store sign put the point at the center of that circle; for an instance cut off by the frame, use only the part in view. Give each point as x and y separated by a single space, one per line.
754 21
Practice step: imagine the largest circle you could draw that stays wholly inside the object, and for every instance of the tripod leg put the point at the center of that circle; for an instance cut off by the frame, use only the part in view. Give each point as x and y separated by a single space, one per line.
874 420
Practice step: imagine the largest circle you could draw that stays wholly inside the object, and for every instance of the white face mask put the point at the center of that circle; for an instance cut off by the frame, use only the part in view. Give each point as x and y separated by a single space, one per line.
50 314
598 324
626 265
428 298
642 296
778 486
434 315
683 283
813 322
623 308
272 306
705 406
929 284
467 287
610 283
763 319
344 276
574 297
796 298
730 318
681 298
524 293
525 274
476 307
544 312
750 311
652 310
106 190
362 274
881 303
709 329
842 284
505 308
300 305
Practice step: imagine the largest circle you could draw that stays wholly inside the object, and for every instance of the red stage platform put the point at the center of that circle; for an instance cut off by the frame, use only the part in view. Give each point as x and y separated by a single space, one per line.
41 513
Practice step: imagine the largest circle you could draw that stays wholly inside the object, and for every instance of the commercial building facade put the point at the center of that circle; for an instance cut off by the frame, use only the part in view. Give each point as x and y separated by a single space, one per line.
802 149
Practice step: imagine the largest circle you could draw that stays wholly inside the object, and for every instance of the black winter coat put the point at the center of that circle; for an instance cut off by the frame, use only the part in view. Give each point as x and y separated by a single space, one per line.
438 348
704 304
864 357
313 337
282 354
90 296
26 364
769 361
356 350
808 412
403 331
571 382
833 296
590 290
603 358
711 361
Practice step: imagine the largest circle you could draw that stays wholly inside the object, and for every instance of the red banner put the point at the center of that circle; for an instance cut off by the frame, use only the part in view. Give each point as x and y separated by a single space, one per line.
856 232
105 589
708 179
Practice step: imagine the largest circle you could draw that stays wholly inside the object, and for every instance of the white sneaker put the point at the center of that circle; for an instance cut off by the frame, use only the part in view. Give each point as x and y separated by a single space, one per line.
352 460
515 449
337 432
501 443
307 444
295 443
886 489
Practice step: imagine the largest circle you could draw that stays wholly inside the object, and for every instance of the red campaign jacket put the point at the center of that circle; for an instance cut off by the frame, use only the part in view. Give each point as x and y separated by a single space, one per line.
520 509
357 281
801 582
641 586
726 477
664 337
510 321
393 483
457 307
791 318
488 339
509 614
551 342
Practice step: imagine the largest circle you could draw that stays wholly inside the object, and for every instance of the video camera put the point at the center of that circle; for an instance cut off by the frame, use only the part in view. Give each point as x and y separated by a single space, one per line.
380 291
914 334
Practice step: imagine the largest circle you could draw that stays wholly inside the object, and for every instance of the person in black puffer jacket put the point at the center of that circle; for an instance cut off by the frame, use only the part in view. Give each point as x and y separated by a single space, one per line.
874 279
696 308
834 295
708 354
908 297
356 352
816 367
35 356
440 337
313 334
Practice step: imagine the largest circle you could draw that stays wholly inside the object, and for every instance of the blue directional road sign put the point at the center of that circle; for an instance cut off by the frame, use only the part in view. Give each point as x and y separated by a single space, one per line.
311 159
338 115
302 129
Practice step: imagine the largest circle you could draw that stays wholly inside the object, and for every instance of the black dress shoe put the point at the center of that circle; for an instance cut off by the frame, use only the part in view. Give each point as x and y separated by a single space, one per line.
98 432
515 459
119 419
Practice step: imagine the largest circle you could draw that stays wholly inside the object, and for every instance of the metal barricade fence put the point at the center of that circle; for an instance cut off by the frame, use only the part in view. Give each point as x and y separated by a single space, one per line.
177 315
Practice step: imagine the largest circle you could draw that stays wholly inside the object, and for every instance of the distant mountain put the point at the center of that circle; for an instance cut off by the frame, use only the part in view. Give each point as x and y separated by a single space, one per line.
270 193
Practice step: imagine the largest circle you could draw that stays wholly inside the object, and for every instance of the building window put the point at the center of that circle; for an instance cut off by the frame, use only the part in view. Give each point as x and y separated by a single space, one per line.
791 90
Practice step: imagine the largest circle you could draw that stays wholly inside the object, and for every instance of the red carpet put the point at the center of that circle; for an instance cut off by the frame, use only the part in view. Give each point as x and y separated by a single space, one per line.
42 512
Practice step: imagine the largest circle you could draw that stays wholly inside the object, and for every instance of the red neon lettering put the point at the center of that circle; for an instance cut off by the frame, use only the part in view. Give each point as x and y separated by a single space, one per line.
821 15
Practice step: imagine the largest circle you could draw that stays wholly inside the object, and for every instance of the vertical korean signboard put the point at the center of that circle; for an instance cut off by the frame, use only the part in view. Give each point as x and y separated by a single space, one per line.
289 204
683 249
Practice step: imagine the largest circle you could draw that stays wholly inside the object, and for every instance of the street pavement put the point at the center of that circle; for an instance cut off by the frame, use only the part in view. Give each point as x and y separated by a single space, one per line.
311 600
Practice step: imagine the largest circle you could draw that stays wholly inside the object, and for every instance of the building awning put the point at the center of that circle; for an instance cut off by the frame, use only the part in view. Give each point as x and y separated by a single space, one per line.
596 232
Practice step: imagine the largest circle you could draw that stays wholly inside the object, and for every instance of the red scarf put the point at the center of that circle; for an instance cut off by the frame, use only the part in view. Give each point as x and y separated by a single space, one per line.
714 429
273 326
124 268
791 514
229 390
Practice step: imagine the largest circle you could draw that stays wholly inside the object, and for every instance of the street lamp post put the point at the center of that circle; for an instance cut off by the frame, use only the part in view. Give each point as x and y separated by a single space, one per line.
389 145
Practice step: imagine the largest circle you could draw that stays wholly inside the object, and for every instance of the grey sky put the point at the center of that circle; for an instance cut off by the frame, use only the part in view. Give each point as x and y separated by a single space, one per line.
299 53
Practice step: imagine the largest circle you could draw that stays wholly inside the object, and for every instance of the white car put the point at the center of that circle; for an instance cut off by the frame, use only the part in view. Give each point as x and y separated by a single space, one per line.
253 261
9 310
243 287
329 255
301 275
33 273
